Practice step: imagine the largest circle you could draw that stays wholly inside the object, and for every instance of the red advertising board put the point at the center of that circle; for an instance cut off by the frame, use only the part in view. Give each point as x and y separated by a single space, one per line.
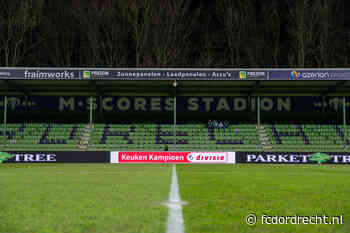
168 157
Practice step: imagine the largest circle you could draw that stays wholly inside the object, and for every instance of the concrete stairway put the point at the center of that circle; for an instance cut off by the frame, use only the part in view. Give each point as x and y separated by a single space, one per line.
264 139
85 137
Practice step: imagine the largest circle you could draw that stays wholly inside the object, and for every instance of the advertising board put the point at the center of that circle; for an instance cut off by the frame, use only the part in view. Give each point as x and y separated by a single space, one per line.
160 157
54 157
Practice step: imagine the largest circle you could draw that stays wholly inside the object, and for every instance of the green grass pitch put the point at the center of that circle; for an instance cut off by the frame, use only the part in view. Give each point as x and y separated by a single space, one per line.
220 197
96 198
83 198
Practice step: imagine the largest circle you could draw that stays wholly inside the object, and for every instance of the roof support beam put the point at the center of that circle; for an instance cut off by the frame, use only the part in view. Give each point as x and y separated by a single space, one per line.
333 88
15 87
255 88
96 88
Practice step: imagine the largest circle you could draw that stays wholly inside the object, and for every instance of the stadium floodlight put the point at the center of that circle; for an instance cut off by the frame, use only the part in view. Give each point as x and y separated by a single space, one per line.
175 83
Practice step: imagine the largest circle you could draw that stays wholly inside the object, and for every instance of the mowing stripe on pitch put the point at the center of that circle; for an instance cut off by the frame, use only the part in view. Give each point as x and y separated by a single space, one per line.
175 222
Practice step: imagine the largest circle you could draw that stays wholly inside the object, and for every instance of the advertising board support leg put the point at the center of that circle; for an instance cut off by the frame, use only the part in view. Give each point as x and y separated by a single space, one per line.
258 111
174 122
5 117
90 111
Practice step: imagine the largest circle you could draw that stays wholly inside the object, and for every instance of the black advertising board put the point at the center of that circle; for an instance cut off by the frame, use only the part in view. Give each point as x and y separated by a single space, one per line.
55 157
293 158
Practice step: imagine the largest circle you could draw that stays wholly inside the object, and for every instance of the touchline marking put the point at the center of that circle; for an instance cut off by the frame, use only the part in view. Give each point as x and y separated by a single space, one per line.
175 222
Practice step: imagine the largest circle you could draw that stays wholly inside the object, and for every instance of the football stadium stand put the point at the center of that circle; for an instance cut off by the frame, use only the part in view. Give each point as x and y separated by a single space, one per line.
308 137
141 109
36 136
189 137
192 137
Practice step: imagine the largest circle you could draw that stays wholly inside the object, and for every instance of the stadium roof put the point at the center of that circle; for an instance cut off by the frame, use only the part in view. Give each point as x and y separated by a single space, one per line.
110 82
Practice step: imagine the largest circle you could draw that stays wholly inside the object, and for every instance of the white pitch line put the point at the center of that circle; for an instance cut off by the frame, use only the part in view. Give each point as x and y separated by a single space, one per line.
175 222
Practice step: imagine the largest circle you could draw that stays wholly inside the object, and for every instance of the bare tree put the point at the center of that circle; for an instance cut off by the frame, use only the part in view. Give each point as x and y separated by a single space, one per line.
104 35
303 29
173 25
154 33
161 31
207 54
238 20
270 28
61 49
137 16
329 33
207 49
19 20
115 37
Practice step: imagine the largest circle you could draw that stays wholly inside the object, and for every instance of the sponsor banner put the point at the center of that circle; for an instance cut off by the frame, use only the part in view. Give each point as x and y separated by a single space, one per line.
39 73
162 74
172 74
293 158
171 157
54 157
311 74
184 103
252 75
132 74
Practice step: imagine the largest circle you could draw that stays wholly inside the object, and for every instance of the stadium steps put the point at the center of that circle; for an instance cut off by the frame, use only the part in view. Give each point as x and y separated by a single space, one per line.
264 139
85 137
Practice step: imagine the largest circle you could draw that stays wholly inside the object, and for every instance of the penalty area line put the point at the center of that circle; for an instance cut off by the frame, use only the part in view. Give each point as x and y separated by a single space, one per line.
175 221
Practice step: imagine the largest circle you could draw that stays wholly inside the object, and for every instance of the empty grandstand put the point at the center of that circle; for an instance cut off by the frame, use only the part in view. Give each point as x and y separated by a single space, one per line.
266 110
189 137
